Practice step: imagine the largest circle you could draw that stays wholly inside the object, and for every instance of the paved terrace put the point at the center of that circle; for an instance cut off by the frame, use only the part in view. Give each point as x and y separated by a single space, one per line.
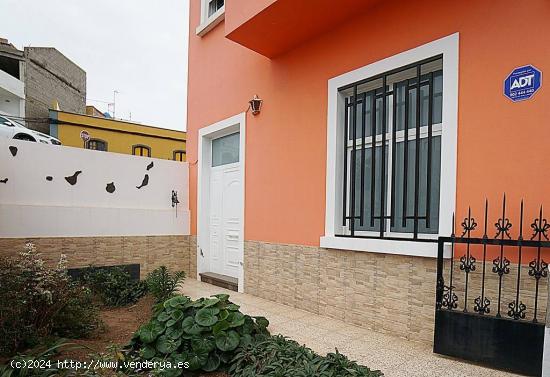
394 356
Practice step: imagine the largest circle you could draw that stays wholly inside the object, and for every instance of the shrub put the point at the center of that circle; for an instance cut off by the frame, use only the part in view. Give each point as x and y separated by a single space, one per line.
163 284
114 285
279 356
40 359
35 300
206 333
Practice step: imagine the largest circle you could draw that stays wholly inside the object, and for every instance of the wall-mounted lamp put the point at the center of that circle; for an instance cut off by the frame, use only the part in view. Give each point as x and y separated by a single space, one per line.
256 104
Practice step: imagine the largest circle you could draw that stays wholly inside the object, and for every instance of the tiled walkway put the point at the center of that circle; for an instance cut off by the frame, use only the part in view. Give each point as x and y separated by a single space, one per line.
394 356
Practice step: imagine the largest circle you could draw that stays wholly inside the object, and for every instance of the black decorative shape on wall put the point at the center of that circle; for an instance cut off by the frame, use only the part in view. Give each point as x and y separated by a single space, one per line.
110 187
73 178
175 201
5 180
145 182
49 178
150 166
13 150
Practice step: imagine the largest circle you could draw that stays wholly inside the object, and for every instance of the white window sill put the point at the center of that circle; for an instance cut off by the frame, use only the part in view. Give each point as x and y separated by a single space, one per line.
372 245
211 22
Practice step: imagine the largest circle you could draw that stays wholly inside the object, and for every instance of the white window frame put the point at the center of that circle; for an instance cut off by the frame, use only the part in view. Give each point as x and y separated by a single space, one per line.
448 47
209 22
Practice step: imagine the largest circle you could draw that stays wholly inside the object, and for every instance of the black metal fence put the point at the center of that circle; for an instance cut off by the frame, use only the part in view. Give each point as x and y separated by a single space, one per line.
491 294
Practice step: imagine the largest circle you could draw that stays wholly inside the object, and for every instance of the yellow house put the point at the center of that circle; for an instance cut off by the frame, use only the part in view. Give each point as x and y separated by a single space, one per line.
114 135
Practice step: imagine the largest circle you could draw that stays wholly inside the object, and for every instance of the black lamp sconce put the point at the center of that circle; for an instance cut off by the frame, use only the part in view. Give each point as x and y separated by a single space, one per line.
256 104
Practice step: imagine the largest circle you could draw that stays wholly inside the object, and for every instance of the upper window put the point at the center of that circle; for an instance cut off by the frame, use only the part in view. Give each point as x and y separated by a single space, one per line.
212 13
178 155
141 150
214 6
97 145
225 150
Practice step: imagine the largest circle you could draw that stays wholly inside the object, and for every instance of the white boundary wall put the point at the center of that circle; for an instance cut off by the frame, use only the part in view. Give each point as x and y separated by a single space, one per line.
31 206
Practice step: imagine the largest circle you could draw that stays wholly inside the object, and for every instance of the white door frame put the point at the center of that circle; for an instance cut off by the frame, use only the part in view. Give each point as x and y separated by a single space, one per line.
206 134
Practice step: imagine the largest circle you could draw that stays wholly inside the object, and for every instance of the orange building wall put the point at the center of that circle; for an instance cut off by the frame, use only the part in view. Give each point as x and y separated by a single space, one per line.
502 146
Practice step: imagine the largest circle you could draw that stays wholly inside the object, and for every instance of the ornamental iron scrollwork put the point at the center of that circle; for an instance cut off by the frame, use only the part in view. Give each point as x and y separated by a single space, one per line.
481 306
467 264
450 298
540 228
516 311
503 226
468 225
538 270
501 266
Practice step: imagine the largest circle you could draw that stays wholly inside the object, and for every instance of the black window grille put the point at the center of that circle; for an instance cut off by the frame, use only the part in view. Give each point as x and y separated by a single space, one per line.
392 153
97 145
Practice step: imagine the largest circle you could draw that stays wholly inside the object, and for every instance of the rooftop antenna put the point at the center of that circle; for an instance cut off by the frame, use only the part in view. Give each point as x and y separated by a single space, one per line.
115 92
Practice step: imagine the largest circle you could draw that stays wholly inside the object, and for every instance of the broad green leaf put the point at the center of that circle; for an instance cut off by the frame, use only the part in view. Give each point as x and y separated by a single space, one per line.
203 344
174 332
149 332
171 322
232 307
176 301
207 316
167 345
219 327
235 319
211 302
212 364
227 341
197 360
190 326
163 317
221 296
149 351
177 314
245 340
262 322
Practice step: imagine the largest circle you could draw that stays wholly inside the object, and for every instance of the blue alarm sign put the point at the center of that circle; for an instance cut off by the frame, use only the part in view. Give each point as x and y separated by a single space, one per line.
522 83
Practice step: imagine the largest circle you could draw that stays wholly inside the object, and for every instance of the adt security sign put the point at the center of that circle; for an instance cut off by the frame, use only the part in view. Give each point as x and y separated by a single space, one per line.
522 83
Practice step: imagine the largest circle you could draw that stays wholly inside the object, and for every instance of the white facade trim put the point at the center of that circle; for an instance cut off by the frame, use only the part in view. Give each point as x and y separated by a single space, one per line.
12 85
236 123
208 23
448 47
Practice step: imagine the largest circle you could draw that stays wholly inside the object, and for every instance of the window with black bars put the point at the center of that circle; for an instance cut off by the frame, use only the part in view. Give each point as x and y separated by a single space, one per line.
392 153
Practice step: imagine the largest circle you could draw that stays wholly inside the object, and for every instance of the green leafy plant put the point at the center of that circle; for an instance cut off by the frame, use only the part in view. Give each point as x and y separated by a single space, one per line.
37 363
280 356
37 300
205 333
114 285
163 284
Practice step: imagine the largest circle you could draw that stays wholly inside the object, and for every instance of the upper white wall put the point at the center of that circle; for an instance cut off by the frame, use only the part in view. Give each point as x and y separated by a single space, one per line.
12 85
32 206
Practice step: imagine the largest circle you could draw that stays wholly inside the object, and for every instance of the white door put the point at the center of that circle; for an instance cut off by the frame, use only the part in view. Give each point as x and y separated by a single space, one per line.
225 206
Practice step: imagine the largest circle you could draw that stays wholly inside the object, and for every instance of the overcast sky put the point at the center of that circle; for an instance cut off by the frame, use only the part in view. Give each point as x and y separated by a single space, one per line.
136 47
